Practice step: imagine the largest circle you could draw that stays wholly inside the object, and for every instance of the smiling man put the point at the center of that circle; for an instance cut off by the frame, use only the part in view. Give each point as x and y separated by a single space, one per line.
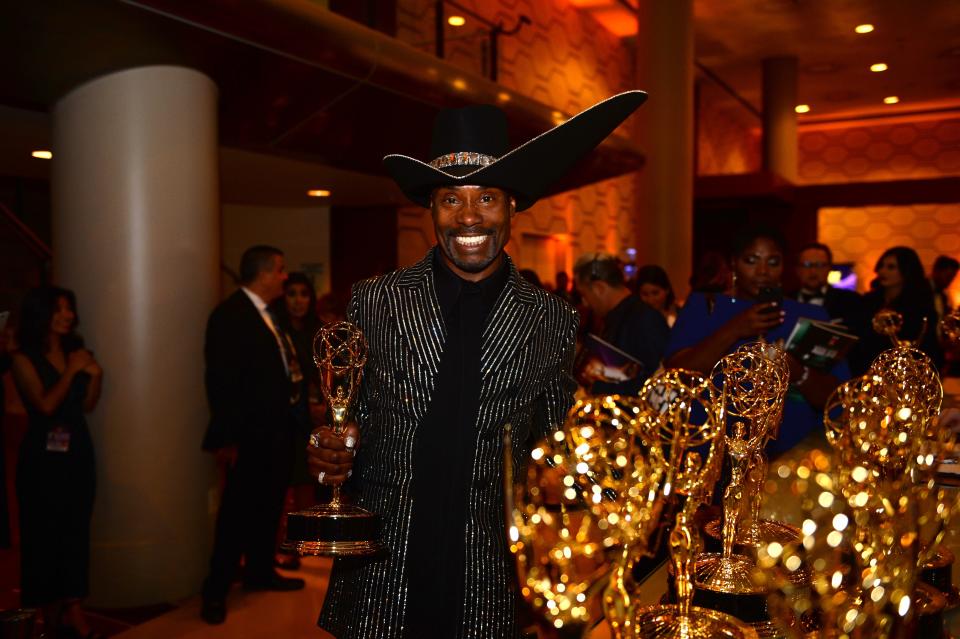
459 346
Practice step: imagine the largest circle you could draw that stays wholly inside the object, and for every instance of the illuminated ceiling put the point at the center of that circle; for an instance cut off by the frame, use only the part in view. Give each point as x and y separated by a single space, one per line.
920 43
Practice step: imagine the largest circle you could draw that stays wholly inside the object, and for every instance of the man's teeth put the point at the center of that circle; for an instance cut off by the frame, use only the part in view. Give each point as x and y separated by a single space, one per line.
471 240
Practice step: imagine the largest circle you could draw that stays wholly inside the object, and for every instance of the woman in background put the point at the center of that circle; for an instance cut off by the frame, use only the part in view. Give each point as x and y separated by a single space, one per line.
59 381
297 312
710 325
653 286
901 286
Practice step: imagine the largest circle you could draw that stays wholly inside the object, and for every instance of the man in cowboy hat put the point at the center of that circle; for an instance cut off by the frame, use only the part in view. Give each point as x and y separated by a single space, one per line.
459 346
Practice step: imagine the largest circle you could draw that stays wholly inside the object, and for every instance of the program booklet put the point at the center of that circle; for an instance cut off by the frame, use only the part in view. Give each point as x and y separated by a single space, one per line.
599 359
819 344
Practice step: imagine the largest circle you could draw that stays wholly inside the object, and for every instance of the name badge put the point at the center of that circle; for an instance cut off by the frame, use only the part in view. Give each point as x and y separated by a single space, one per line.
58 440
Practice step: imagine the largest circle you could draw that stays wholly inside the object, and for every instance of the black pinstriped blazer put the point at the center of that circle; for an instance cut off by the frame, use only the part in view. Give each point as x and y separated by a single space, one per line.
526 357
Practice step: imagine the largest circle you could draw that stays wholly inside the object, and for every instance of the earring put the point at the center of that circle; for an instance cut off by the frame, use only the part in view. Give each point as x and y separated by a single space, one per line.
733 287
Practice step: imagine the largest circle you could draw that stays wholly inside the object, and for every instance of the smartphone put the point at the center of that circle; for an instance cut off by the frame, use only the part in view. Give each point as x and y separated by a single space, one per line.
770 295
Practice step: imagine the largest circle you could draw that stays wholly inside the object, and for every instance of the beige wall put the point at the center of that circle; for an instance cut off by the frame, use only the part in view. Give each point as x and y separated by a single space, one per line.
302 234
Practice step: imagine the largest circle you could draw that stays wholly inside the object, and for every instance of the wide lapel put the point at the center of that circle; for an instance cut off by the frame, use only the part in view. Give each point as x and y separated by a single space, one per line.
416 310
512 321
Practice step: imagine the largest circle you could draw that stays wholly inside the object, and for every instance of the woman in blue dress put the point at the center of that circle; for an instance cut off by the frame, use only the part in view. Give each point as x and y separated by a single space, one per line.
710 325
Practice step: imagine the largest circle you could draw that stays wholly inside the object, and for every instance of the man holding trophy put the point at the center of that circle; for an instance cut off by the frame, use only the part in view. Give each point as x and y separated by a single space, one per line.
458 346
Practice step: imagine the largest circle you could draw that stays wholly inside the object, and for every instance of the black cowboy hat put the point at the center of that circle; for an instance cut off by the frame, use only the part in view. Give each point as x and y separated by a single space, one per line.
470 147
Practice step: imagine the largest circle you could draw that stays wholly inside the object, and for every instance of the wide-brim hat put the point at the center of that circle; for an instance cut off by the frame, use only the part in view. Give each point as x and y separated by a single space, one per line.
469 147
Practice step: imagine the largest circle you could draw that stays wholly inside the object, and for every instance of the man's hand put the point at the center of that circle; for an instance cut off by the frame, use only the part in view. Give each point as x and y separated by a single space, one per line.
331 457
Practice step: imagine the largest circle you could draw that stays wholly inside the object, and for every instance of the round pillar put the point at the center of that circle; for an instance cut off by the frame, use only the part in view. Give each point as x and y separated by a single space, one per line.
136 236
664 130
780 116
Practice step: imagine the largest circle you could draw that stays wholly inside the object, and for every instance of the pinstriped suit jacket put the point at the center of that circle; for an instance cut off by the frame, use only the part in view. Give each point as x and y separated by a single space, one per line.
526 357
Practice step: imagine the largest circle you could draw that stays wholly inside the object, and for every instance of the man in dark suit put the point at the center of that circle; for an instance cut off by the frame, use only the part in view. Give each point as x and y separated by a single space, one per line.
459 345
630 325
251 385
813 269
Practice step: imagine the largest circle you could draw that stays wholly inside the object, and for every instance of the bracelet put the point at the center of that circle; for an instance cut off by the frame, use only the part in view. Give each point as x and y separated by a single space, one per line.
803 377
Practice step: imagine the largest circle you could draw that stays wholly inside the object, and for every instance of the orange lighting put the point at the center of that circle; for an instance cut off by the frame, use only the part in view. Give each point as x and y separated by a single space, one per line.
891 99
503 96
456 21
43 155
802 108
864 28
318 193
878 67
459 84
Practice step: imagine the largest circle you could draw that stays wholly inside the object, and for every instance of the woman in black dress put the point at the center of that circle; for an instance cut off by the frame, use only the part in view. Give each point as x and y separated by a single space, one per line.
297 311
59 381
901 286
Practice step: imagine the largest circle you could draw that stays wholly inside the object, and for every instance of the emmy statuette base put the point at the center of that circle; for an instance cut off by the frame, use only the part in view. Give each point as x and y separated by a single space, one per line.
330 530
665 622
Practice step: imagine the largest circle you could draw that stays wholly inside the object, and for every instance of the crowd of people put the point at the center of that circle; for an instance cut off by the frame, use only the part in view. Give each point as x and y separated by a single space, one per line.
459 346
265 403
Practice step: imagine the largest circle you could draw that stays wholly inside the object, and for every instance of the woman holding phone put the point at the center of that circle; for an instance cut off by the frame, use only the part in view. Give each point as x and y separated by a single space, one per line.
710 325
58 380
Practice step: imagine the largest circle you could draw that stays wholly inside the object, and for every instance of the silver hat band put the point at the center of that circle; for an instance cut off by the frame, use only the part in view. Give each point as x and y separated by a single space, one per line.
462 158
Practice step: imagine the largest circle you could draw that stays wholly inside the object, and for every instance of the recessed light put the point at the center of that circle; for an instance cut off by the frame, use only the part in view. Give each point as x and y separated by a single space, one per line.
878 67
456 21
891 99
43 155
802 108
318 193
864 28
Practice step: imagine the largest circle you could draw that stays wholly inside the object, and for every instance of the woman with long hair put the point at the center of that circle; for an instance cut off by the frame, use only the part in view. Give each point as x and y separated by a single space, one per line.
297 312
654 288
902 286
59 381
712 324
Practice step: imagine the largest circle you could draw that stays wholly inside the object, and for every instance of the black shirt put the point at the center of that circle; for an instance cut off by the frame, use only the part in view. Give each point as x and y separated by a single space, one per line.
443 456
639 330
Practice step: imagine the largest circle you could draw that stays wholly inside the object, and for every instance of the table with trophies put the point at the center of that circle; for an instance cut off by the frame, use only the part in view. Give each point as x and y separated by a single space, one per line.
848 535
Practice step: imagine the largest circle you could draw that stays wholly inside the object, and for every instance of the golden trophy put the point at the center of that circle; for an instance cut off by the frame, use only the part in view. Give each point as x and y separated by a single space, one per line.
678 422
336 529
753 383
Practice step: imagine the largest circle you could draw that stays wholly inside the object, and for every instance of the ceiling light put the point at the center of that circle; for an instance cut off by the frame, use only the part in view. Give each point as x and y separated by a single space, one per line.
864 28
503 96
318 193
43 155
456 21
891 99
878 67
802 108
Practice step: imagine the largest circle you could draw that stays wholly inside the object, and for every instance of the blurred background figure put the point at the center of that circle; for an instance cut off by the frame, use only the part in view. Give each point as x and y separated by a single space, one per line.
813 269
654 288
941 277
531 276
562 289
296 310
636 331
711 273
710 325
59 381
900 285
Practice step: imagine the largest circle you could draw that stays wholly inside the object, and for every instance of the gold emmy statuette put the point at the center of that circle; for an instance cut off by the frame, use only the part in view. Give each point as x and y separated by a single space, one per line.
676 418
336 529
754 381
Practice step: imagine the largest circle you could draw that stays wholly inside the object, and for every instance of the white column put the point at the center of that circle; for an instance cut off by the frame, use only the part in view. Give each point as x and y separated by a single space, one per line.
664 63
136 236
780 116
